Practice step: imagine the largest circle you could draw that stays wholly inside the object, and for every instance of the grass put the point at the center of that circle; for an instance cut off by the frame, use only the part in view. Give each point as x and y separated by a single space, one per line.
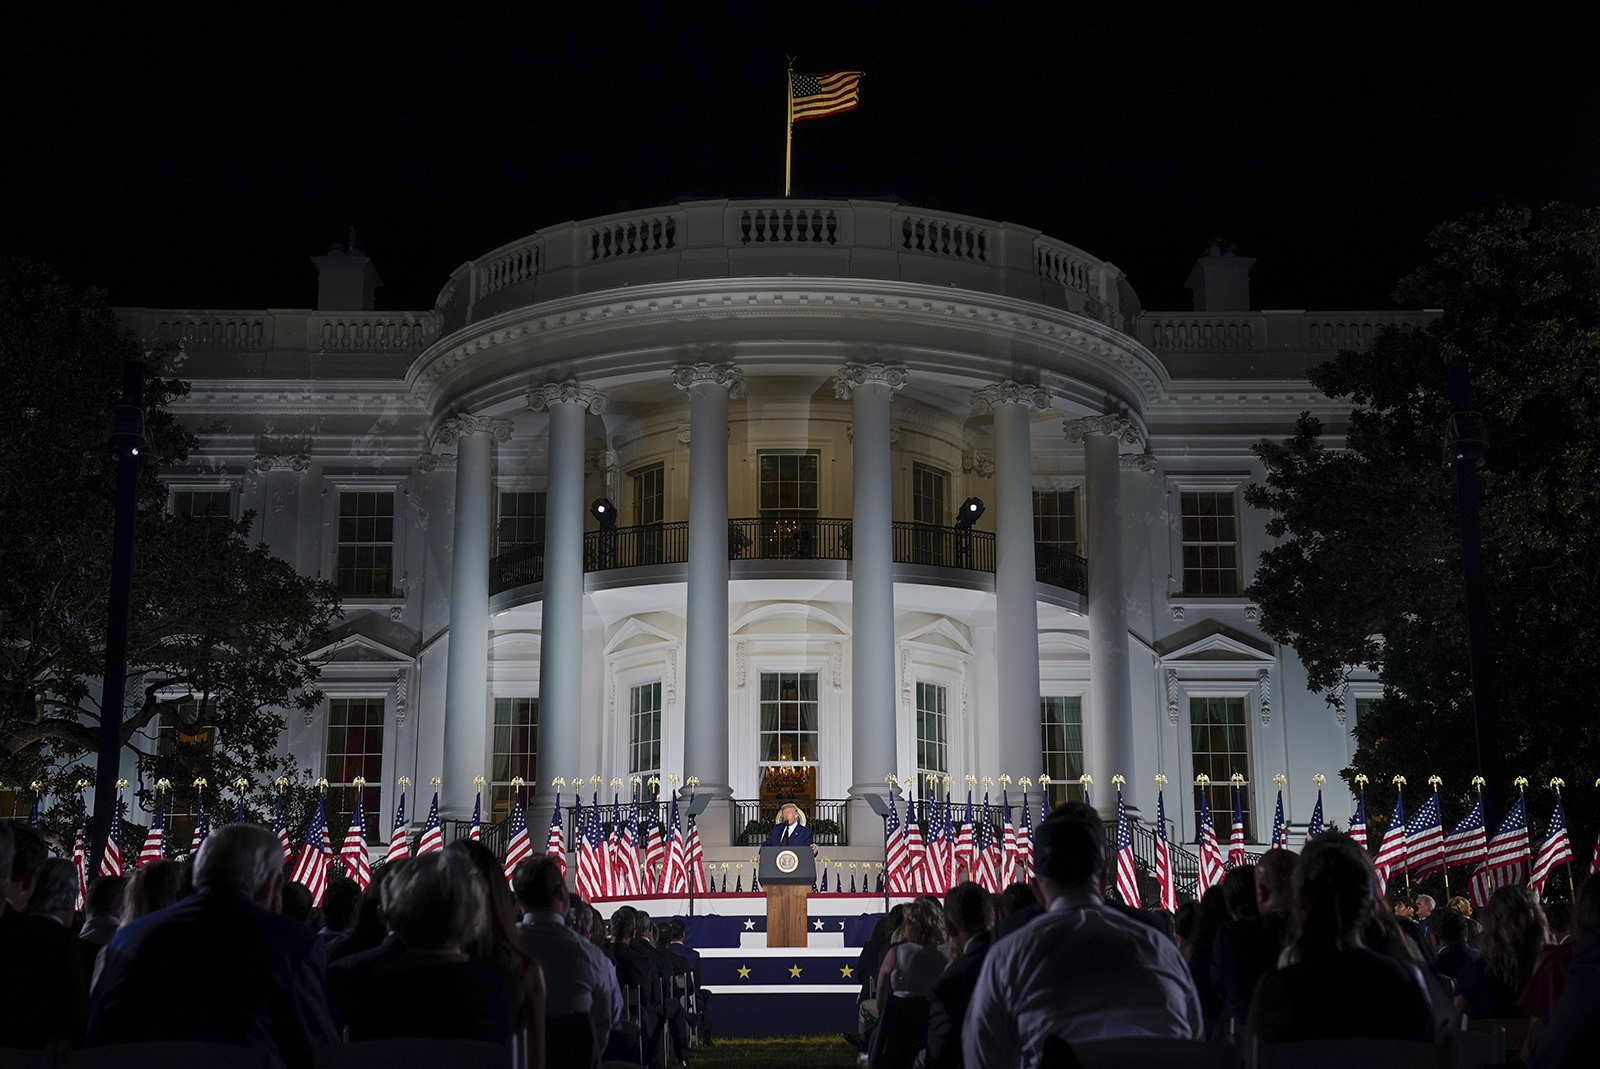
778 1052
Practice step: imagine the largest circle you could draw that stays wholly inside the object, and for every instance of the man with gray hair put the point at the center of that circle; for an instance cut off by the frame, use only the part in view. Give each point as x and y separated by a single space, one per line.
55 892
262 974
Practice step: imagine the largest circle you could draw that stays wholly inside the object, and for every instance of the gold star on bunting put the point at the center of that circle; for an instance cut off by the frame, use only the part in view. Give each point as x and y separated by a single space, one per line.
744 972
847 972
794 971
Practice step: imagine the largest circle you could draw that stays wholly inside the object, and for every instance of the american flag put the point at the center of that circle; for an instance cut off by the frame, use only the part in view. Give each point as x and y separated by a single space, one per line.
432 838
697 860
615 863
33 814
1556 848
475 832
1392 852
238 816
399 847
111 860
1358 823
353 854
1211 867
519 848
80 856
950 846
1127 875
312 868
916 850
1164 880
1594 865
281 828
627 874
1508 856
997 855
655 853
201 829
155 840
1316 824
984 847
1008 864
812 96
1468 843
965 858
1425 839
593 874
675 880
897 851
1236 854
1025 844
1280 830
555 843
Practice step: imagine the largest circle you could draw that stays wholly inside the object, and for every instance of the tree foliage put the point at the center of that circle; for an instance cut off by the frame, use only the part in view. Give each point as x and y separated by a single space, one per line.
1368 569
213 618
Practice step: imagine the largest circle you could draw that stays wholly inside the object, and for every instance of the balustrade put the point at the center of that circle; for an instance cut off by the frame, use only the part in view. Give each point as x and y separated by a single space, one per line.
210 331
370 332
944 237
815 226
629 237
518 265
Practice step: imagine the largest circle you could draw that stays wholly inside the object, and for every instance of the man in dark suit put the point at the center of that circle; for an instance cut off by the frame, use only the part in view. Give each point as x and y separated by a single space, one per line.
789 831
43 987
969 917
261 973
638 966
1247 948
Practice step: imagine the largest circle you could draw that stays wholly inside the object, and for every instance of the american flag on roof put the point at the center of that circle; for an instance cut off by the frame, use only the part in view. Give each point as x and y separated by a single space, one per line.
281 828
1164 880
111 860
353 854
1236 852
555 843
1508 857
1392 852
1358 822
1556 848
518 847
399 847
432 838
1127 874
1315 826
1468 842
811 96
1211 867
1425 840
312 868
155 840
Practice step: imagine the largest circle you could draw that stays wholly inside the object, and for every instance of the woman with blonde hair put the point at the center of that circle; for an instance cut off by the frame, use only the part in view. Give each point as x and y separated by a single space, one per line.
905 983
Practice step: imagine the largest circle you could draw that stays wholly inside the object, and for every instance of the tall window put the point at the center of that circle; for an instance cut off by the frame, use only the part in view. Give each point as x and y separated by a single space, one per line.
516 752
788 485
1055 518
521 520
355 748
366 544
1221 748
206 504
179 726
1210 543
649 495
927 494
644 730
15 803
1061 744
933 752
789 734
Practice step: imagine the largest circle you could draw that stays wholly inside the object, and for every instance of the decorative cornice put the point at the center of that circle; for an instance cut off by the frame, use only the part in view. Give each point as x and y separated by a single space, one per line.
1007 392
1145 462
456 428
974 463
1112 426
852 376
571 392
686 375
292 453
431 462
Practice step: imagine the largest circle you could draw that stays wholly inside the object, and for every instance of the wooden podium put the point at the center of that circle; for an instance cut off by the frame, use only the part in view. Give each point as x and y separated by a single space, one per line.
787 874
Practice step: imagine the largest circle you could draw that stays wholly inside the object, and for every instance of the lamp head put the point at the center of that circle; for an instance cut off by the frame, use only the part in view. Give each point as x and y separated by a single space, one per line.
605 512
971 509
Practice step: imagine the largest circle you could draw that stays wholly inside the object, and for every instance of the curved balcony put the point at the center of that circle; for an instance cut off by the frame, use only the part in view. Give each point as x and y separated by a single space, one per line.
787 539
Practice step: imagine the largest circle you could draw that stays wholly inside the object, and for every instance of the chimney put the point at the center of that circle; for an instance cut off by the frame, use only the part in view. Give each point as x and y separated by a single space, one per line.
1220 280
346 279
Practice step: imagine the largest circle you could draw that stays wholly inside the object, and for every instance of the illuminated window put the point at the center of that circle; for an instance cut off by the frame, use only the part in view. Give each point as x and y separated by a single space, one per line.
1220 743
365 566
516 752
1210 543
355 748
928 494
644 730
1061 744
933 751
788 484
649 494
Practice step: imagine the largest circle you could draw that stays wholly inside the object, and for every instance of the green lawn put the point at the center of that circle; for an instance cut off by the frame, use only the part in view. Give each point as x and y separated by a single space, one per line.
801 1052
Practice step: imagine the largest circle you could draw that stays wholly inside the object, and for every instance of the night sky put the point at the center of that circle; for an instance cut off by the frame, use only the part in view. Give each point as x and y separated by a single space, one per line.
199 163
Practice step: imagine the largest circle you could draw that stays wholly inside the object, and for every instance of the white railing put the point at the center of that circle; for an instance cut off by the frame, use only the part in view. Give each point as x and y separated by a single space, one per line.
1065 265
1203 332
518 264
630 237
944 236
816 226
206 330
1333 332
371 331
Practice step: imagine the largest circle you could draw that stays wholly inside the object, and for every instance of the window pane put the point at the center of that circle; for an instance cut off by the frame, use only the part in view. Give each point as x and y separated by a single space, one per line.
521 520
1221 750
515 752
1061 743
1210 543
365 553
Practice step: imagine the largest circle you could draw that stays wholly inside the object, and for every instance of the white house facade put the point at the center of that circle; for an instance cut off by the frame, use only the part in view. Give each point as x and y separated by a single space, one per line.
784 496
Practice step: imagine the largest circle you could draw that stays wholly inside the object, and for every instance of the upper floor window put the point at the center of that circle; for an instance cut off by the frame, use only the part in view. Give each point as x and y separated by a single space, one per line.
516 752
365 566
649 495
1061 745
933 749
788 485
521 520
1210 542
1055 518
928 494
206 504
644 730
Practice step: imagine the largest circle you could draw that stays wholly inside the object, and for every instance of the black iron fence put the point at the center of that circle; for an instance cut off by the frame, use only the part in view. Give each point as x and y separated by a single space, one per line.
754 819
789 538
1061 567
517 567
494 836
943 547
634 547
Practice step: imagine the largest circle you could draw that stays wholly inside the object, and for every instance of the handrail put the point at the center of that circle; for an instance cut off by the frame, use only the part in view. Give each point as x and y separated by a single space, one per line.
827 818
943 547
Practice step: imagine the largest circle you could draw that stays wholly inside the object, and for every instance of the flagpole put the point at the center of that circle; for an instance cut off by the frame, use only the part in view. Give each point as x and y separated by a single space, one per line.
1572 888
1435 781
788 124
1405 856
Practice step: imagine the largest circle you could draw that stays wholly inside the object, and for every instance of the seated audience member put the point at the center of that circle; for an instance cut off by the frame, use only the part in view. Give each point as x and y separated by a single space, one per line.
1017 908
583 1002
340 903
1549 977
867 964
1512 939
672 966
1424 910
371 931
151 889
636 967
1558 920
261 974
691 961
42 985
905 984
1247 947
297 902
968 918
1449 930
1462 905
1573 1024
1183 925
28 857
1333 894
55 893
499 942
1213 914
437 909
1083 971
102 911
1239 892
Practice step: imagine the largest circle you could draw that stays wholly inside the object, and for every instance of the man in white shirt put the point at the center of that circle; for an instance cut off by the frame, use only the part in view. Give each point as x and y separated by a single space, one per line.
582 998
1082 971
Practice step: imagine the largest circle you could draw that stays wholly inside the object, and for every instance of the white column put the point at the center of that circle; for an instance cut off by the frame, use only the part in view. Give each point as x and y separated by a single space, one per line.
561 620
1016 601
873 697
466 706
705 677
1110 719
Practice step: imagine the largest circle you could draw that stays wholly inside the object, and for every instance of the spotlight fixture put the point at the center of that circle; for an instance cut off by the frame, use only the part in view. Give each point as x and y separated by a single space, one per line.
971 509
603 510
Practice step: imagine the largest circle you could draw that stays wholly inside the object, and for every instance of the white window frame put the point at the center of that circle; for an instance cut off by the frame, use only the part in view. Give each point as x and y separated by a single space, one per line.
400 486
661 723
1226 482
189 484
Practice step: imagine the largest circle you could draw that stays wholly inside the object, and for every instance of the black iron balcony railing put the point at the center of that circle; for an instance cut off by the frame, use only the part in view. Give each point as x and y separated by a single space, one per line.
754 818
1061 567
635 547
789 538
515 567
943 547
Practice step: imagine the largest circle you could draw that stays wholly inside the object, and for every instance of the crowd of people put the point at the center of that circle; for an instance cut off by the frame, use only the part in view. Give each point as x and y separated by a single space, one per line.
1297 947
